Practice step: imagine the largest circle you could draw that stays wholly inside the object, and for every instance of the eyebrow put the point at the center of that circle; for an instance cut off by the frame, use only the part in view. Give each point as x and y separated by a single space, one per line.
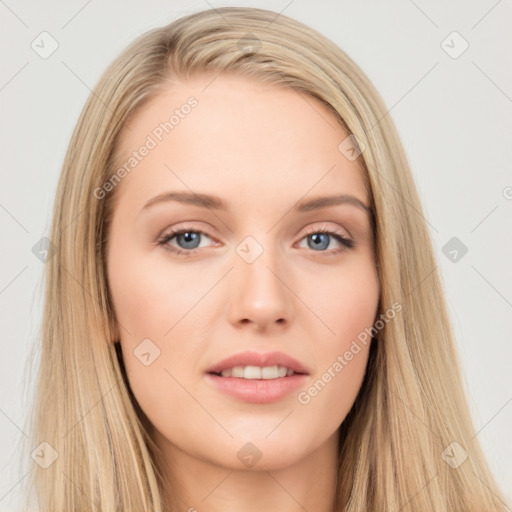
216 203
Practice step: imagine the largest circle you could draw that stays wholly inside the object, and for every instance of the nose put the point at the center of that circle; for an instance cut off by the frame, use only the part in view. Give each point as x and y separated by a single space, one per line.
260 294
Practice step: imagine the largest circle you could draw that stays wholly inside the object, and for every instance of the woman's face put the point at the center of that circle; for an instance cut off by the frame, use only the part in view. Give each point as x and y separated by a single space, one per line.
257 279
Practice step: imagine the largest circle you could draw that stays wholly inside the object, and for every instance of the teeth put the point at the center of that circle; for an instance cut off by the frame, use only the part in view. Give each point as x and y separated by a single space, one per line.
252 372
237 371
270 372
257 372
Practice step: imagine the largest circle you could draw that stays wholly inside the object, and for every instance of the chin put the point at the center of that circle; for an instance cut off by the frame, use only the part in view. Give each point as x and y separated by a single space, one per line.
264 452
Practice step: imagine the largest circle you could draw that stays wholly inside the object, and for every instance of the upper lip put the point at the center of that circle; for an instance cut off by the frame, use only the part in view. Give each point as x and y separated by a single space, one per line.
258 359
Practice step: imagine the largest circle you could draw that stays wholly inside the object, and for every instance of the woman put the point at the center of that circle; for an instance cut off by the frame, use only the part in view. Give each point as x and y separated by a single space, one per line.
300 355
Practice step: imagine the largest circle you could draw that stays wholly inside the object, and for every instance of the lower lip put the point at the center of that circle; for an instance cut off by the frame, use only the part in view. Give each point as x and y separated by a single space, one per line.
257 391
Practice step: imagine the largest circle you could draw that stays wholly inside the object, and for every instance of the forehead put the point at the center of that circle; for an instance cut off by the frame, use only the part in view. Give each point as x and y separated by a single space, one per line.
230 134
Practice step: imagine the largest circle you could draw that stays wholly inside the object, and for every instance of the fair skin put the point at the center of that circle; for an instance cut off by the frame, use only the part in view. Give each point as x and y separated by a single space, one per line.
260 149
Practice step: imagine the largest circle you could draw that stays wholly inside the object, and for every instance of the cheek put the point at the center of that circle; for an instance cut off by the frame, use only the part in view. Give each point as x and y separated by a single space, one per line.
346 302
151 299
162 318
348 307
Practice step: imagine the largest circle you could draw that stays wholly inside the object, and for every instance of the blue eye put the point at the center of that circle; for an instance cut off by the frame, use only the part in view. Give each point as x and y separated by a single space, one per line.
188 241
191 239
320 240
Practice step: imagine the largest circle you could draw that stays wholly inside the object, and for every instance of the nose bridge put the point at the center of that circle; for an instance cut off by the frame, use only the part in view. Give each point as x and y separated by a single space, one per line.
259 293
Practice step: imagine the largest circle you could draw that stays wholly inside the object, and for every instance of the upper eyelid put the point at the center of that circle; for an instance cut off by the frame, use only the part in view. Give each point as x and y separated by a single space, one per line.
195 229
177 231
324 227
309 230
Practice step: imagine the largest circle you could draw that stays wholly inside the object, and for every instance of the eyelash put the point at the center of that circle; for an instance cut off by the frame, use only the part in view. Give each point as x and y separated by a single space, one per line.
165 239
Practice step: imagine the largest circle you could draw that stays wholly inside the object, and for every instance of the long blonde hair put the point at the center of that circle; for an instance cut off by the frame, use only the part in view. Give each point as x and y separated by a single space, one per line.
397 439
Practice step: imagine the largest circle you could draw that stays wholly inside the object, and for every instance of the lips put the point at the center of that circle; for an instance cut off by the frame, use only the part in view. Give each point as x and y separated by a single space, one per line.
257 378
260 360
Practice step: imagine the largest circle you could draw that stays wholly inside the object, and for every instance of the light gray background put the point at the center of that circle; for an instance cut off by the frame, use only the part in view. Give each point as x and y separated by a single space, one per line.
453 115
